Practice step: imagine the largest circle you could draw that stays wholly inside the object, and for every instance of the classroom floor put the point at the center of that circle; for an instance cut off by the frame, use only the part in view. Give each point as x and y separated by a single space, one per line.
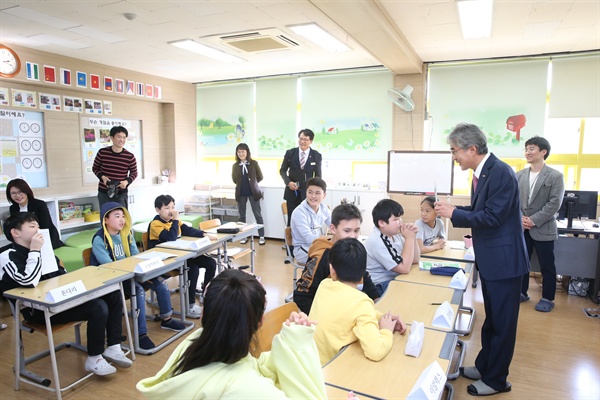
557 354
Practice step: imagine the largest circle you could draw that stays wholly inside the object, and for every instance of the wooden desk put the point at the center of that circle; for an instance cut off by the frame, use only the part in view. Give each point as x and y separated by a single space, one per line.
458 255
236 237
128 265
395 375
426 278
411 301
97 281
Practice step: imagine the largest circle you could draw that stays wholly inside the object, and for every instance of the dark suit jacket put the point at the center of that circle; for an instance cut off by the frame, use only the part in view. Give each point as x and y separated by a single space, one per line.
40 209
494 217
290 171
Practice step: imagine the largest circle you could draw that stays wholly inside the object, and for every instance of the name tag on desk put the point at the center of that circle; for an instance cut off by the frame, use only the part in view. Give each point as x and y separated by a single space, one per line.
430 384
66 291
444 316
149 265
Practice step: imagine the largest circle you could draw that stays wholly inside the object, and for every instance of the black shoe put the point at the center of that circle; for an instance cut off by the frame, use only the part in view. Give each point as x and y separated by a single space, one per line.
146 343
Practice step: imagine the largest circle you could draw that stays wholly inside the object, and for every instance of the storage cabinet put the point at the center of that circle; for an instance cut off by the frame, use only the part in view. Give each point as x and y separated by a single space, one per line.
364 200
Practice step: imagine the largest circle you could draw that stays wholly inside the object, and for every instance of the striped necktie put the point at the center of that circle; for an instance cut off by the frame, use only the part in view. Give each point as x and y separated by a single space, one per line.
302 159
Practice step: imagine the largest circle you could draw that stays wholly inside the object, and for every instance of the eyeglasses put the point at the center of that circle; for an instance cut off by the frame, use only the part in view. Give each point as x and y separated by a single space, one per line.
453 151
304 139
15 193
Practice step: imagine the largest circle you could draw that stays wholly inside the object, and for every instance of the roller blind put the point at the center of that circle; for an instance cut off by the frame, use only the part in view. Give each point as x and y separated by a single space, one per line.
575 90
225 117
276 109
505 99
350 114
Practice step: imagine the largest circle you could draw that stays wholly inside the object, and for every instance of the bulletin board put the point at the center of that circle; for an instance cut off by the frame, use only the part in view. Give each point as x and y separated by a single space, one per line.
420 172
95 134
23 146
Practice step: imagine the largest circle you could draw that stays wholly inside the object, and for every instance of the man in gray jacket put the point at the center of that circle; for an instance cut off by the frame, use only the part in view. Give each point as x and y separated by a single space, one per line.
541 191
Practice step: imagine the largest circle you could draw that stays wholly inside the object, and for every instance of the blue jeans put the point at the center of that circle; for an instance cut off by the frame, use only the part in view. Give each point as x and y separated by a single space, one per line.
382 287
163 296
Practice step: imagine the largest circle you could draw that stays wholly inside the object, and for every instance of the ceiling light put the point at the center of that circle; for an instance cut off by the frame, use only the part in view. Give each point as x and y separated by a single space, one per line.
190 45
320 37
475 18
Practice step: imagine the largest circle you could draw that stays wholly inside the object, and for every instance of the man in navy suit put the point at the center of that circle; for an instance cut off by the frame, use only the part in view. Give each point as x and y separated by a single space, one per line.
494 217
299 165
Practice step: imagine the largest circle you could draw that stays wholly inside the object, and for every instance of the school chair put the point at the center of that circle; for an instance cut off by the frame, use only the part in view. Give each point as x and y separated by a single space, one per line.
233 253
31 327
86 256
271 326
292 260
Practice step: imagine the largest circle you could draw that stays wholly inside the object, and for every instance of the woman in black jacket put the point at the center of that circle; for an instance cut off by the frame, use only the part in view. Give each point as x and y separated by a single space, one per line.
20 196
246 174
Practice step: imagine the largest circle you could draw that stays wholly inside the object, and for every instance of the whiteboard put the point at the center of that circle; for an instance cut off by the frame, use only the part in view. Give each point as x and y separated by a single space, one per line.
420 172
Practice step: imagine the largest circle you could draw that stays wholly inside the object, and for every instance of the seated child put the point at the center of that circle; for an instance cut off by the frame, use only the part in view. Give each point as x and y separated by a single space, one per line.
114 241
310 219
345 314
214 362
22 266
431 235
345 223
166 227
391 247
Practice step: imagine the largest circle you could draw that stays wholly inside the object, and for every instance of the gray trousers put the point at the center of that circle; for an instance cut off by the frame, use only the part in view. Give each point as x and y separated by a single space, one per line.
255 204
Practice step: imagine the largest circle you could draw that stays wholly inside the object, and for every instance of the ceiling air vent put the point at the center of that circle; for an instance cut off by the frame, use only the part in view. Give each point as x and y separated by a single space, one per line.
261 40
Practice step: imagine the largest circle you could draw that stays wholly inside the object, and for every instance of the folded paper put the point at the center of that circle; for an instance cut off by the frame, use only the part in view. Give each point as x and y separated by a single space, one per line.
414 345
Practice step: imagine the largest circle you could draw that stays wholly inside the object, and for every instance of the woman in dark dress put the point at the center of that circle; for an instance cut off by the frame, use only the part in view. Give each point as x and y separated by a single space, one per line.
21 198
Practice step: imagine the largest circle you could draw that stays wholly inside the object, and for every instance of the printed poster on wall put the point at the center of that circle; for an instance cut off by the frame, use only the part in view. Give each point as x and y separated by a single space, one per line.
49 102
22 147
95 134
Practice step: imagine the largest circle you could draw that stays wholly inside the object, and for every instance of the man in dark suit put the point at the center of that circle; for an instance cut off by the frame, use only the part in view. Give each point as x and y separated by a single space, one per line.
494 217
299 165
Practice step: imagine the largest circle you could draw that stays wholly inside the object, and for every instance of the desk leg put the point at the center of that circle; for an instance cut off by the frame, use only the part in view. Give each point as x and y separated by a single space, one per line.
52 354
252 253
225 258
18 365
475 277
184 287
127 326
136 328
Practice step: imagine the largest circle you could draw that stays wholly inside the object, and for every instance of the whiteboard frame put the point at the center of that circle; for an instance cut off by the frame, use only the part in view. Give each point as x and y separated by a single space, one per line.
412 170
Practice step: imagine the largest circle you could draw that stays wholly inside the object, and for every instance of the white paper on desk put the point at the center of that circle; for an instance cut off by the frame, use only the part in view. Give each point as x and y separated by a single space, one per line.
470 254
430 384
47 253
414 345
456 244
155 254
444 315
188 244
459 280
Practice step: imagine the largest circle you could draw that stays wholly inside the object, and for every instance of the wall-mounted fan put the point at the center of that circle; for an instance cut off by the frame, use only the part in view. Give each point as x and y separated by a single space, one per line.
402 98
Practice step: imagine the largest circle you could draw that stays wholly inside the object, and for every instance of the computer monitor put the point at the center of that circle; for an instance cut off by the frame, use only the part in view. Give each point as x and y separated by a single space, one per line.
578 204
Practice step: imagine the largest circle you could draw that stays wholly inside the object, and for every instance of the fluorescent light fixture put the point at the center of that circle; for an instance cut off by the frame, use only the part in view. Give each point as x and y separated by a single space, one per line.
475 18
190 45
320 37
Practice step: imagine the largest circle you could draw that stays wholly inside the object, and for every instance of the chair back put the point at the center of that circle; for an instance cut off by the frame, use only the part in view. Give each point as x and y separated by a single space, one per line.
145 241
211 223
271 326
86 255
288 236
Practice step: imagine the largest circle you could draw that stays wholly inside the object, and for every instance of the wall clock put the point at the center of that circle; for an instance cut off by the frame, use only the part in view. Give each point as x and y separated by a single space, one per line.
10 64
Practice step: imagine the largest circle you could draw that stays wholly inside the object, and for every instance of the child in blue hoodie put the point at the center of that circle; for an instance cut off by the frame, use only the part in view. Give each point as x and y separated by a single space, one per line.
114 241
